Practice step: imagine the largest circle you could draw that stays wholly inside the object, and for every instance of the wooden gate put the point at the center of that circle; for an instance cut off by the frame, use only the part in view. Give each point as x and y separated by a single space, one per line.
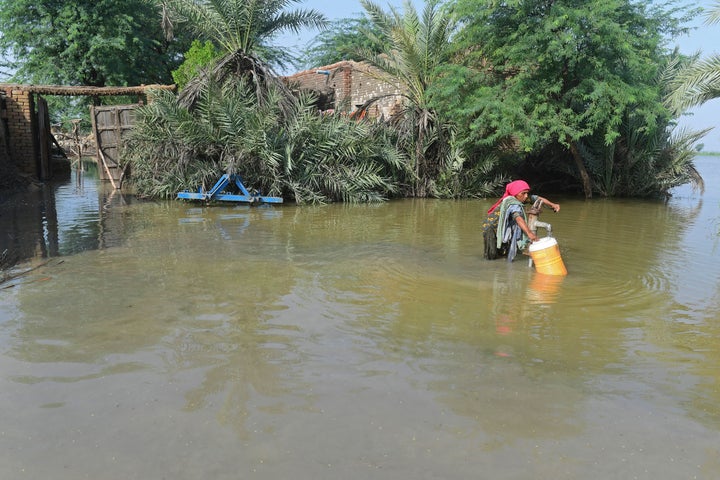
110 124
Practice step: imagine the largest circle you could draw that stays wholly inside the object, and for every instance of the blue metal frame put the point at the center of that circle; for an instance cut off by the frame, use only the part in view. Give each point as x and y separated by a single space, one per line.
217 192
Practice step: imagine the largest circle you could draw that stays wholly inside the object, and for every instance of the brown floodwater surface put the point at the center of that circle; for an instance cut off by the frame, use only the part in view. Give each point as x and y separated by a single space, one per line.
174 340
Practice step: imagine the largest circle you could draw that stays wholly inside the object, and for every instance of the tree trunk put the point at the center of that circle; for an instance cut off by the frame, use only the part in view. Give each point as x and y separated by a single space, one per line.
420 174
587 184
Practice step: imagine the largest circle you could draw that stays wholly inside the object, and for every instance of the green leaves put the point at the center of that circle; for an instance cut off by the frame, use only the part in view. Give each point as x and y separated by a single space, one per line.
556 75
299 154
695 84
241 25
200 56
96 43
416 46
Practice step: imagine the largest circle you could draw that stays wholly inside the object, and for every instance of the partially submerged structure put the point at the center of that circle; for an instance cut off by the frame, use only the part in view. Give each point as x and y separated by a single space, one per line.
26 140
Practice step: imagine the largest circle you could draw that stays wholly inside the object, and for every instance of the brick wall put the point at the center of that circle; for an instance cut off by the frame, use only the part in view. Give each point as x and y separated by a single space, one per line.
20 116
19 105
353 83
367 84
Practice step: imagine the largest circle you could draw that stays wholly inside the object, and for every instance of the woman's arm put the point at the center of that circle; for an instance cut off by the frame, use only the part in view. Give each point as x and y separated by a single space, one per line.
524 227
554 206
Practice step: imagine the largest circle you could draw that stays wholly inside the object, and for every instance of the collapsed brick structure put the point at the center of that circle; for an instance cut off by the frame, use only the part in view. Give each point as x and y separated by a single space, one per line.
345 86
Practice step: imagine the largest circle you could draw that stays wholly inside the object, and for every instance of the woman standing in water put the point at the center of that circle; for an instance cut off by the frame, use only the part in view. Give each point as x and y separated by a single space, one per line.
506 230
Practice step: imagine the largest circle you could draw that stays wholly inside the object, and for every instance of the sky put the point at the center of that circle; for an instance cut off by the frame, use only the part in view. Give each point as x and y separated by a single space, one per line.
703 39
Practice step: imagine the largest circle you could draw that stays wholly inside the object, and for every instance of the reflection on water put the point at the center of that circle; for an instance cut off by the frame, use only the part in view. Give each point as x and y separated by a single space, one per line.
371 341
64 218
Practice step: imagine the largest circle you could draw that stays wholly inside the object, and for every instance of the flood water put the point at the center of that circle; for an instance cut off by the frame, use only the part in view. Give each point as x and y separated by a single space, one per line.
171 340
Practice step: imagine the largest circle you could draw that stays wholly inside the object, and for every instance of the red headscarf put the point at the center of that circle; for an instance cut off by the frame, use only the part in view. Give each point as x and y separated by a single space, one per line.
511 189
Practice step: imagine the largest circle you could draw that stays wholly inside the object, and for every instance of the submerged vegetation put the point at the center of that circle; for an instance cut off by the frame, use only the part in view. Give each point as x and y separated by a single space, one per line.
569 88
296 153
579 97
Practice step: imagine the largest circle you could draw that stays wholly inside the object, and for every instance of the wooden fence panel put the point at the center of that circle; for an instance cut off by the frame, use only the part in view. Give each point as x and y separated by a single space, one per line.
43 139
111 124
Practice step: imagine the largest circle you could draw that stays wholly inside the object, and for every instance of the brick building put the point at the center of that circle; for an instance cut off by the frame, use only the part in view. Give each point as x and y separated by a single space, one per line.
345 86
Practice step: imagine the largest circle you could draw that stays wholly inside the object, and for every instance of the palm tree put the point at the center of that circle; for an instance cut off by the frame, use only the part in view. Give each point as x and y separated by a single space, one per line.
699 82
417 47
241 30
299 155
240 118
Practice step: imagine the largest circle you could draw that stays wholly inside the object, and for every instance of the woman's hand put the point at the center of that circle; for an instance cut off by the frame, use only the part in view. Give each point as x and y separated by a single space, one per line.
555 206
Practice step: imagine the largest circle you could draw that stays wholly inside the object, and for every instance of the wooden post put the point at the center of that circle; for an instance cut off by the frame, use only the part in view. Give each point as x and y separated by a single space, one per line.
43 122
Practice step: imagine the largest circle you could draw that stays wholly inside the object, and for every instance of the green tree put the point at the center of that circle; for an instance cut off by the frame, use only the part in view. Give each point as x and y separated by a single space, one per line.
699 82
242 31
201 55
86 42
418 45
558 75
342 40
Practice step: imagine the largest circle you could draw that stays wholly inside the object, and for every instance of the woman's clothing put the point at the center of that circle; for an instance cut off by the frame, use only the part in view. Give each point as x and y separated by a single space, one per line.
489 236
509 232
501 233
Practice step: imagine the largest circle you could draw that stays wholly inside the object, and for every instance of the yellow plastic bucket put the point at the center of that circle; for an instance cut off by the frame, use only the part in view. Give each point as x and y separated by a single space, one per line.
545 254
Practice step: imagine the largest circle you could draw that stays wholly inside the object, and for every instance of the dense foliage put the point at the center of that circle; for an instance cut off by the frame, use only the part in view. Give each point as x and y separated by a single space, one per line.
415 46
87 42
564 83
301 156
554 90
237 116
199 57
